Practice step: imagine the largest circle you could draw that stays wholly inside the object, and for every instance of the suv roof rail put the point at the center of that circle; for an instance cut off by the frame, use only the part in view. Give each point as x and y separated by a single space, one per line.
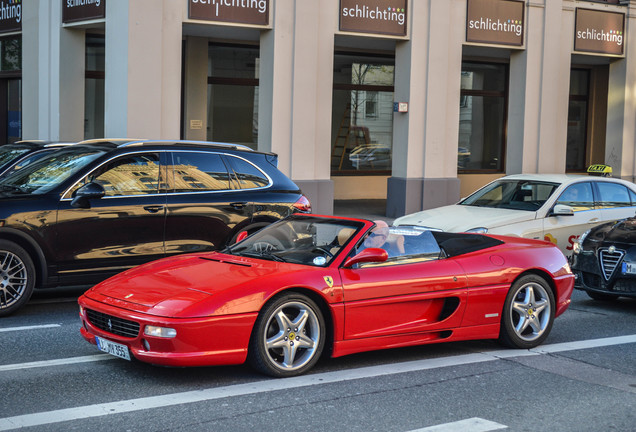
116 141
168 142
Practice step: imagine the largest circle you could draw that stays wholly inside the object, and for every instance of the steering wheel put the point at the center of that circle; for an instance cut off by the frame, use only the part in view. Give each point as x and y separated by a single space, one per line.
323 250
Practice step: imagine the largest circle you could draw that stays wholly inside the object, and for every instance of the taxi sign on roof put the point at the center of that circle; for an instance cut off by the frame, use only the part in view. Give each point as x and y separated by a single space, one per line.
599 169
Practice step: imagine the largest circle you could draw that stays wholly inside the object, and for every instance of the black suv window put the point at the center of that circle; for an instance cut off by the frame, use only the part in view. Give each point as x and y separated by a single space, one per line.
246 174
196 172
129 175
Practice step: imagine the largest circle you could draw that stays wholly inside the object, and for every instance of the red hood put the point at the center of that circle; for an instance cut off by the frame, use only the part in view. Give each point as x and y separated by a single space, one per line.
169 287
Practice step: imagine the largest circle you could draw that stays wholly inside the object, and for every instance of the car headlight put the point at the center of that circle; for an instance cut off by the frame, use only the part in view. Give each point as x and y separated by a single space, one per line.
577 246
163 332
480 230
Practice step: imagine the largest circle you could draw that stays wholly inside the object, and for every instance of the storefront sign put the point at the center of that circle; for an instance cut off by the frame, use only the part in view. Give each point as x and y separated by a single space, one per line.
82 10
254 12
374 16
498 22
599 31
10 16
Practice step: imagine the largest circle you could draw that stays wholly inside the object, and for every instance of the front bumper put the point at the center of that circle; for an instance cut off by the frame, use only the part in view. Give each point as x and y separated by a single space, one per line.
206 341
589 278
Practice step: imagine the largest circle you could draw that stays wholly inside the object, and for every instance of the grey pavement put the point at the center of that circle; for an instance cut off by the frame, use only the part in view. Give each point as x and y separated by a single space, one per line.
366 209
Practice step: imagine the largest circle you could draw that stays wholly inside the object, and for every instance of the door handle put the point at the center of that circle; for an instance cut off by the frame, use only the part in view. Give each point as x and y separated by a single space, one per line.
153 209
594 220
238 205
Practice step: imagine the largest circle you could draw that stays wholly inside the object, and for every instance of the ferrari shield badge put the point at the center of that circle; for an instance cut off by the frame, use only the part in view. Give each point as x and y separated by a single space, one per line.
329 281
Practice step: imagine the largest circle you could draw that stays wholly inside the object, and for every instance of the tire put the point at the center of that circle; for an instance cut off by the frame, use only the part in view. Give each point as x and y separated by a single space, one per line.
275 346
601 296
528 313
17 277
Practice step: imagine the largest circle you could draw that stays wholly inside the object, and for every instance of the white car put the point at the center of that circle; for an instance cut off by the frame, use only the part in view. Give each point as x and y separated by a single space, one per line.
557 208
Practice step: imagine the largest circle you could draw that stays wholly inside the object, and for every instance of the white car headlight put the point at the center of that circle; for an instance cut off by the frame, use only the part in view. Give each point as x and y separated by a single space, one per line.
480 230
163 332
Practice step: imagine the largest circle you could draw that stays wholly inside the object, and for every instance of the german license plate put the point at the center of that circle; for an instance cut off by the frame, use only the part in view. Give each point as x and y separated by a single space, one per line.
112 348
629 268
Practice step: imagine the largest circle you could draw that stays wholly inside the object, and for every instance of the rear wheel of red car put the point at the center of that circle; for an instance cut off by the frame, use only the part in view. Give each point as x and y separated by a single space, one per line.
528 313
17 277
288 336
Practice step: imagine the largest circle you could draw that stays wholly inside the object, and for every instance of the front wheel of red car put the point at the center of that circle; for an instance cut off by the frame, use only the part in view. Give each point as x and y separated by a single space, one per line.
288 336
528 313
17 277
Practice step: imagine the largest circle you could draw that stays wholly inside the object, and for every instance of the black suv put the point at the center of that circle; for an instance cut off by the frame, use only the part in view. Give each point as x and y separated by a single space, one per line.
88 211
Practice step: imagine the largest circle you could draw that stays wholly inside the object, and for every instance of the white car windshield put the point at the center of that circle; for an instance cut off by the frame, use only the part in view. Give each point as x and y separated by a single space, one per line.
512 194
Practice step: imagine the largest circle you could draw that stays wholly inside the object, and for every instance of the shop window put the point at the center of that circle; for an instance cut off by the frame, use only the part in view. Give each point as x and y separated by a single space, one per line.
362 114
233 94
10 89
11 54
94 86
576 154
482 117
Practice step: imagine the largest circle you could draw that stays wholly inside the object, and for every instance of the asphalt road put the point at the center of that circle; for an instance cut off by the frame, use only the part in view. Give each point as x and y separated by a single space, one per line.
582 379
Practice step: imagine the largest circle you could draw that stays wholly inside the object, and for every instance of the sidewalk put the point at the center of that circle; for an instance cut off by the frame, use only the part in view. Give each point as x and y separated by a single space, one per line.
366 209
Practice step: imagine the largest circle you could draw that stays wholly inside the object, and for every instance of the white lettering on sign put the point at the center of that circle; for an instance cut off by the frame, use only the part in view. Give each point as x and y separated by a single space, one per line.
389 14
611 36
74 3
11 11
512 26
260 5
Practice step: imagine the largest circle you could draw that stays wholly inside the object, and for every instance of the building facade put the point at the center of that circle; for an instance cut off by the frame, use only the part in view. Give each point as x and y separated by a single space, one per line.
418 102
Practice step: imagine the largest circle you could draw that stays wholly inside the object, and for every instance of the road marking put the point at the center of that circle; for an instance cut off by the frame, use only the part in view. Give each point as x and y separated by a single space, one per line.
269 385
10 329
474 424
56 362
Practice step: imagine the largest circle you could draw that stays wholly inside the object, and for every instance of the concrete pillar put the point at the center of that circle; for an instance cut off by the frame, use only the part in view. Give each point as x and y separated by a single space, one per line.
52 74
71 88
620 138
539 90
143 69
196 88
295 108
428 76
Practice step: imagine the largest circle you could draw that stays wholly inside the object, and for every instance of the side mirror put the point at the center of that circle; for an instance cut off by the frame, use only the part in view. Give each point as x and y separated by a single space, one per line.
562 210
87 192
366 256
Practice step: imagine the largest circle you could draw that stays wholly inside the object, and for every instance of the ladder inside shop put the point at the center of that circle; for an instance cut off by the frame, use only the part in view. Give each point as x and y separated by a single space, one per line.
347 134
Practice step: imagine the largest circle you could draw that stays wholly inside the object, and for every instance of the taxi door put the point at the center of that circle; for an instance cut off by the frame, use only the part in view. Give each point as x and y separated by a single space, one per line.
615 201
563 230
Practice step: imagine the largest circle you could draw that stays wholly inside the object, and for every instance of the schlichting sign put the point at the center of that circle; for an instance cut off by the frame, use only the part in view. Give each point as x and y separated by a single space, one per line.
496 22
255 12
10 16
599 32
83 10
374 16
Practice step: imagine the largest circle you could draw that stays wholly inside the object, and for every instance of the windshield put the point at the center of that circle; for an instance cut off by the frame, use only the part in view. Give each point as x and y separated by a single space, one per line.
512 194
299 239
46 173
9 153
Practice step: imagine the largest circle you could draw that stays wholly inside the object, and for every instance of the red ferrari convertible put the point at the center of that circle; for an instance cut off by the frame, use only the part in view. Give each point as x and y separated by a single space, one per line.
313 284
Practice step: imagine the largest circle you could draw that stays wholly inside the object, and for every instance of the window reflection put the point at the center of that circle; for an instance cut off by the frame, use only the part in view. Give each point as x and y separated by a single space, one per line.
362 114
482 117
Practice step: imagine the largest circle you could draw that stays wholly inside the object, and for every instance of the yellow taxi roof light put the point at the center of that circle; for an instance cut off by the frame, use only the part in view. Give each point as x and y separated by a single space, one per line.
600 170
